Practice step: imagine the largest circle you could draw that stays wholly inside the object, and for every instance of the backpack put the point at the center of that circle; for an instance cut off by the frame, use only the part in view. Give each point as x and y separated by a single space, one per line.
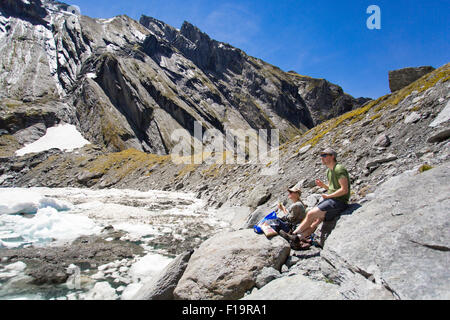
276 223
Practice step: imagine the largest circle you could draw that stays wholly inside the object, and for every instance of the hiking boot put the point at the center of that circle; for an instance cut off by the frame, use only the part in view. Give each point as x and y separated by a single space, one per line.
287 236
300 245
294 241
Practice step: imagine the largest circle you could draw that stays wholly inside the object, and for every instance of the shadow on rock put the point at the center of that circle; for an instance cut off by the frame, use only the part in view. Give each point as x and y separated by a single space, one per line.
328 226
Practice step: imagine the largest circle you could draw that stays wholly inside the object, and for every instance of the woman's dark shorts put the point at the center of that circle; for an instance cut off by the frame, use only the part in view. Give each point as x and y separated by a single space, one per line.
332 207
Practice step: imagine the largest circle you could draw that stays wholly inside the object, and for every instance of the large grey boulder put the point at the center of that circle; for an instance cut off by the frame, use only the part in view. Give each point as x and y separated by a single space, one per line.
443 117
266 275
226 266
324 99
297 287
258 196
439 136
161 287
326 227
380 160
399 241
236 216
401 78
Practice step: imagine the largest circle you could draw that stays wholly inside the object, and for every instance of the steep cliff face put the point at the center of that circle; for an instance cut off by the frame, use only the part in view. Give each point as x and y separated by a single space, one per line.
127 84
286 98
324 99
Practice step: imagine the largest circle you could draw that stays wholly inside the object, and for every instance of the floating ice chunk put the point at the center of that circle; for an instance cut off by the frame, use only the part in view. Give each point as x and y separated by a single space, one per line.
148 266
7 275
47 225
72 296
166 230
105 266
10 245
17 266
120 289
64 137
123 269
99 275
178 237
138 230
20 200
74 281
102 291
28 297
130 291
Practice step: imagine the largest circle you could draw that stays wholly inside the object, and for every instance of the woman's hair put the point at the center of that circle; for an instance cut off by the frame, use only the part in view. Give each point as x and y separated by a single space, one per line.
300 199
299 192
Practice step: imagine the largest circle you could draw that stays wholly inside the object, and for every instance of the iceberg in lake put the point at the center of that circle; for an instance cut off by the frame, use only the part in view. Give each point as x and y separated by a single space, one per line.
21 200
27 217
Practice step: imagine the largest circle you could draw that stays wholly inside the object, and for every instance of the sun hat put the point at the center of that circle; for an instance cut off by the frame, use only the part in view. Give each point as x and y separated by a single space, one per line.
329 151
295 189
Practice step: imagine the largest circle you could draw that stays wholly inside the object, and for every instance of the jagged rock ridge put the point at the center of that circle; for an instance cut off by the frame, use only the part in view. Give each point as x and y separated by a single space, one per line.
127 84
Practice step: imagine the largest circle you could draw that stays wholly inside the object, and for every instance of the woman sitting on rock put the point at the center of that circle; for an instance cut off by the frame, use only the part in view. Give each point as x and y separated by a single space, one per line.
296 212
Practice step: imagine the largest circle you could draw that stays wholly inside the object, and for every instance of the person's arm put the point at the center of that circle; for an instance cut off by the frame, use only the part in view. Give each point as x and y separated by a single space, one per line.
340 192
319 183
283 208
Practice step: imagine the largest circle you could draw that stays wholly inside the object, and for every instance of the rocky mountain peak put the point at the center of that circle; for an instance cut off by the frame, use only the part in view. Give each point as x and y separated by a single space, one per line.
193 33
252 93
144 80
159 28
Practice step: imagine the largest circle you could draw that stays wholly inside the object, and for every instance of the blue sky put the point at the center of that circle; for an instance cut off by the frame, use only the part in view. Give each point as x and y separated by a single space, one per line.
322 39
